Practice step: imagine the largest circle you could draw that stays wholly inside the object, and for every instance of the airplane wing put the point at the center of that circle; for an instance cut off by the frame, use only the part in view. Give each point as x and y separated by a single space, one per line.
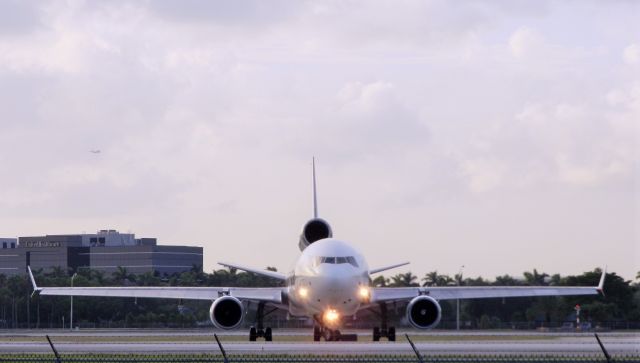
272 274
267 294
390 294
380 269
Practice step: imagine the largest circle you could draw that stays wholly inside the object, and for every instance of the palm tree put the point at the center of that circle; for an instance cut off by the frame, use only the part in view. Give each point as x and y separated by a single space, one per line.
433 279
534 278
57 272
148 279
121 275
404 280
380 281
457 278
98 276
506 280
430 278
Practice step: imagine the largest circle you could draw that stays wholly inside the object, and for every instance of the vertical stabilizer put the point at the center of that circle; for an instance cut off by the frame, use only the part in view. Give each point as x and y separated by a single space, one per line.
316 228
315 197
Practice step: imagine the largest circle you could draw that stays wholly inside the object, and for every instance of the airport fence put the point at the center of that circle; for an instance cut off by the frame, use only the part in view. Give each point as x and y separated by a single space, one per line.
40 358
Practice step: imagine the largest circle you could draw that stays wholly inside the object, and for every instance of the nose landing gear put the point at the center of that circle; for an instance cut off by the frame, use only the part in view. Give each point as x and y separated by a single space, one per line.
329 335
321 331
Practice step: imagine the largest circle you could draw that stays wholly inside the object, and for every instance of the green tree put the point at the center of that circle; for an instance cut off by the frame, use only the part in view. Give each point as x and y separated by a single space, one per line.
121 275
404 280
434 279
380 281
506 280
535 278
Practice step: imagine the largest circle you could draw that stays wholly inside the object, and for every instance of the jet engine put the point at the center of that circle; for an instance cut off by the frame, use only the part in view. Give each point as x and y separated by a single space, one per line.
314 230
226 312
423 312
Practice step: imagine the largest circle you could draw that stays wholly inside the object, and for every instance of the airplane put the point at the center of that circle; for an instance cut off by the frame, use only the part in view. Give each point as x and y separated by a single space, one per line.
331 281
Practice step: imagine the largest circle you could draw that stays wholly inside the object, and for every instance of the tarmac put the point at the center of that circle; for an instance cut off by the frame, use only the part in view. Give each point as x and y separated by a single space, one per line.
475 342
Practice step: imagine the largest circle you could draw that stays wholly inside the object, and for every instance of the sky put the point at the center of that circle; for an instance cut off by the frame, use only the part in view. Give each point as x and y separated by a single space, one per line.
498 135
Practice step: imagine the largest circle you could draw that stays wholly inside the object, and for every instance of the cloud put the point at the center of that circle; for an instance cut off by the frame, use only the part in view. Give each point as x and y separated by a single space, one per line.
526 42
631 54
484 175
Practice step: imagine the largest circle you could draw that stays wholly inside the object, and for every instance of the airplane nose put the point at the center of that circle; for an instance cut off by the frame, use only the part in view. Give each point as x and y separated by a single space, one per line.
339 290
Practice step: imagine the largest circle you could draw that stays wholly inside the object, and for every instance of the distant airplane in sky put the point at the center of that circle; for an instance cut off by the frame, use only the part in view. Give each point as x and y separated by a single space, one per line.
331 281
94 151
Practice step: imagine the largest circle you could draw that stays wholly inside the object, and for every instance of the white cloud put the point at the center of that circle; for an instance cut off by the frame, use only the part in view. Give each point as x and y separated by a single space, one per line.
631 54
526 42
484 175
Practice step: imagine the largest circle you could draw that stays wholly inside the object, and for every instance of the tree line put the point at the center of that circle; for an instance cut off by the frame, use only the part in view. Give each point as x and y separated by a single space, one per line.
19 308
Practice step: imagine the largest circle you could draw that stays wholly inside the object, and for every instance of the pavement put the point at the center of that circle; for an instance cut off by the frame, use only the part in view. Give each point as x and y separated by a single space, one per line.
527 342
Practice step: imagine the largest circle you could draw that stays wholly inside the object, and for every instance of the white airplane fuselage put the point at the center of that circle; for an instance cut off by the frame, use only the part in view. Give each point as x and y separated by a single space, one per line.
330 281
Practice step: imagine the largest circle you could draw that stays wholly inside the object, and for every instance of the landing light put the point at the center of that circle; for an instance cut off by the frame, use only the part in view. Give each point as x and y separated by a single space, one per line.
363 292
331 316
303 292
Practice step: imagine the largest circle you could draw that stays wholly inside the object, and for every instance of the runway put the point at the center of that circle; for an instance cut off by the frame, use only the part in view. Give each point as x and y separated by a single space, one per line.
327 348
437 343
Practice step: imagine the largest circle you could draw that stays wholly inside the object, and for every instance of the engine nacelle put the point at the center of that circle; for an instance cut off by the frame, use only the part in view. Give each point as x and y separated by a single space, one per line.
424 312
314 230
226 312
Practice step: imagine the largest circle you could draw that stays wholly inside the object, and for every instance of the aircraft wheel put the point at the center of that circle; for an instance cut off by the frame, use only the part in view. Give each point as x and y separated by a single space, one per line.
252 334
267 335
376 334
391 334
316 334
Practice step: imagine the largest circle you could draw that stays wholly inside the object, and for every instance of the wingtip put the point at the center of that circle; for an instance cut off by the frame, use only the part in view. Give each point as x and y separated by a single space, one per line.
33 280
600 287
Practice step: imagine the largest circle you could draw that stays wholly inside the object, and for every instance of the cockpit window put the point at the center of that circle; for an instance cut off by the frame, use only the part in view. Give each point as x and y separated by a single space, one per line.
336 260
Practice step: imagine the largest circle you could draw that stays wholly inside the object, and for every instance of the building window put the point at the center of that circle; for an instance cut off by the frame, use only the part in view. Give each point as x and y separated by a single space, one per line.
13 245
4 244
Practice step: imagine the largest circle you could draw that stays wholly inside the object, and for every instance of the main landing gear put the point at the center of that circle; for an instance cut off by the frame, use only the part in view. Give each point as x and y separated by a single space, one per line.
384 331
255 333
260 331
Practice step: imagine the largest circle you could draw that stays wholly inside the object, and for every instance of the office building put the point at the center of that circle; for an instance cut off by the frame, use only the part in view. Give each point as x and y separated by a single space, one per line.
105 250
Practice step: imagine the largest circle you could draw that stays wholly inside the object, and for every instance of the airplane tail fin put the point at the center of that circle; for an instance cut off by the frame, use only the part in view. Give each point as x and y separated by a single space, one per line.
315 197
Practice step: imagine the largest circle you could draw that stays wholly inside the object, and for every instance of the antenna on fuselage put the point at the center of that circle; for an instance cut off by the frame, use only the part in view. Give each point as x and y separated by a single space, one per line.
315 197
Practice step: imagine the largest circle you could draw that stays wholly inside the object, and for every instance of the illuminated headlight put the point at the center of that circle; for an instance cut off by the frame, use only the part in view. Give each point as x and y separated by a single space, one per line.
303 292
363 292
331 316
